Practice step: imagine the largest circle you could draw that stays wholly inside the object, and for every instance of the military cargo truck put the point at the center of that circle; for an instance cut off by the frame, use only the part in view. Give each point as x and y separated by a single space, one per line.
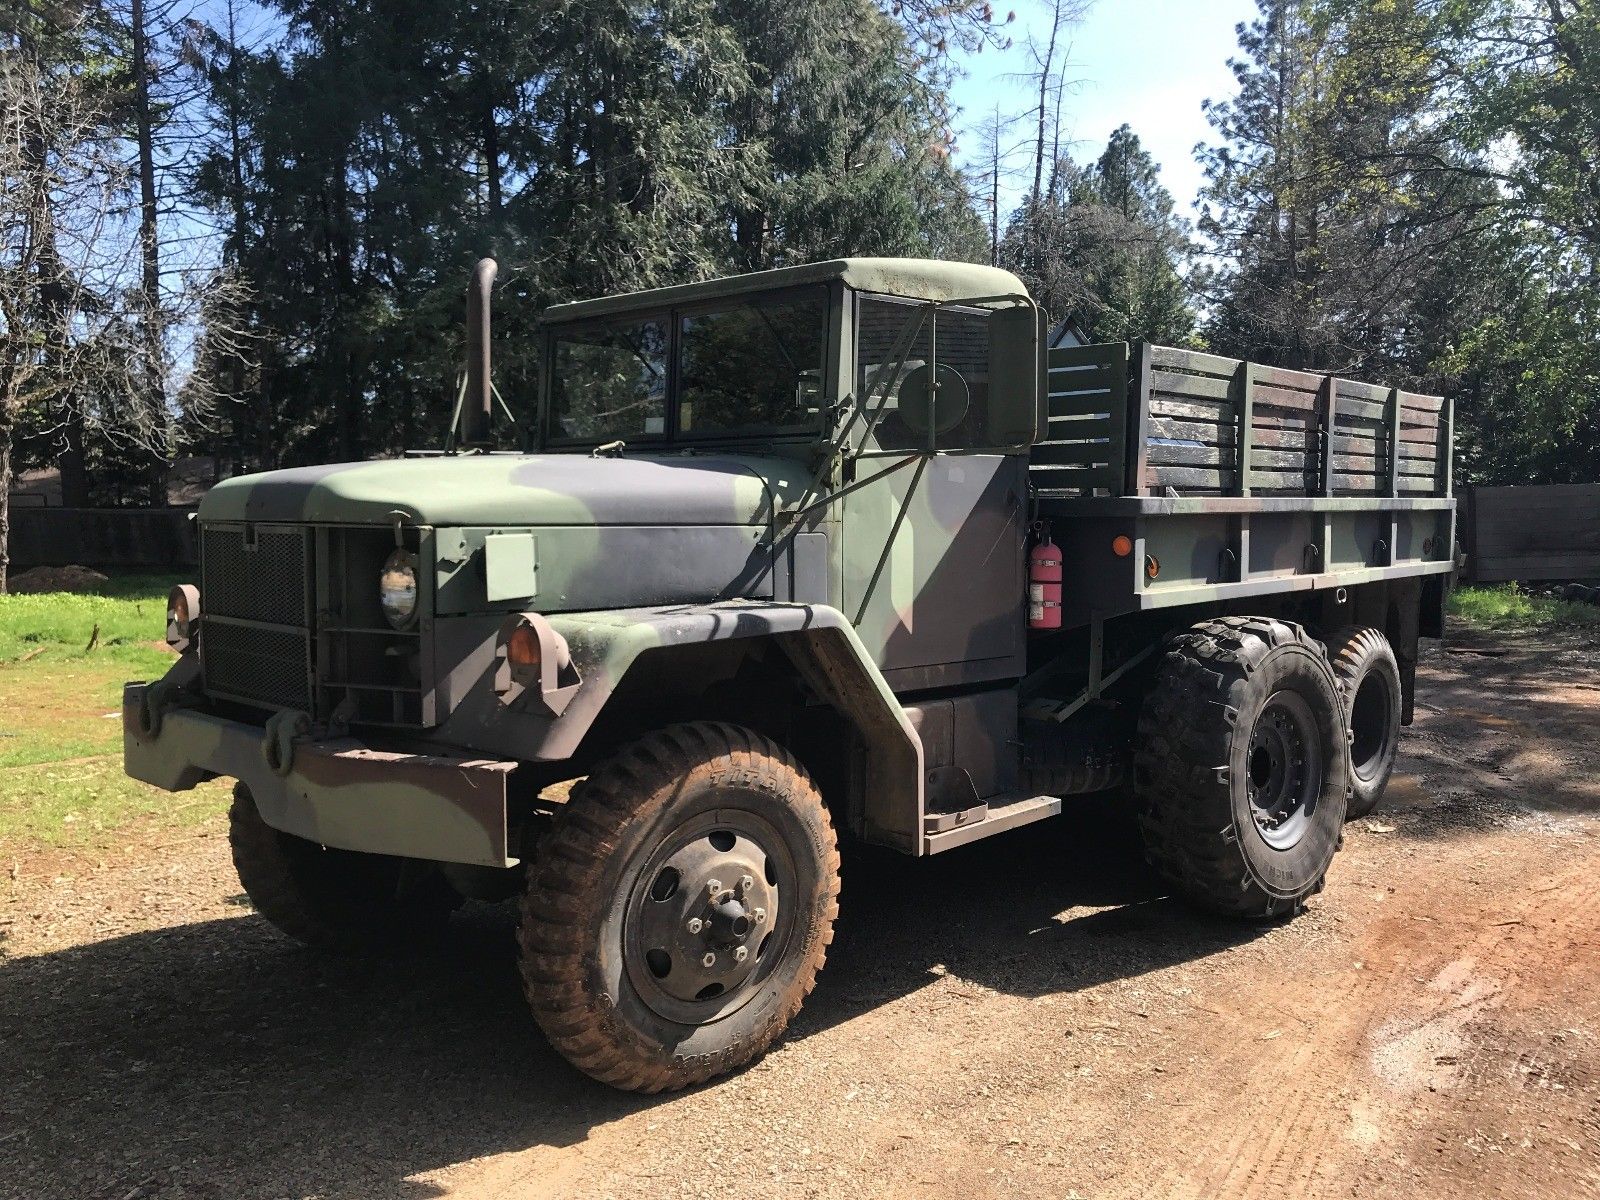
834 552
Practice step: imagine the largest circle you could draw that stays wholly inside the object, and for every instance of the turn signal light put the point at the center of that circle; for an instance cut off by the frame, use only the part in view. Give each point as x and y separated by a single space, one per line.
533 665
522 647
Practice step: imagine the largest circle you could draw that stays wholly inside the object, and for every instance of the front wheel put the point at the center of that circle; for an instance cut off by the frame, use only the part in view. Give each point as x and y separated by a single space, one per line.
679 908
1243 767
331 899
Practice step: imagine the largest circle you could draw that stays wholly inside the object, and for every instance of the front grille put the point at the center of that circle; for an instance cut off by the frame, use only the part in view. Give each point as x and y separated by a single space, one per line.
247 662
291 619
259 573
254 578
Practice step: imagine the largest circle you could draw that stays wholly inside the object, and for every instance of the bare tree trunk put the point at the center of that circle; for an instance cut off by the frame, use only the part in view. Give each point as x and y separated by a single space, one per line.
6 427
73 462
1045 69
149 243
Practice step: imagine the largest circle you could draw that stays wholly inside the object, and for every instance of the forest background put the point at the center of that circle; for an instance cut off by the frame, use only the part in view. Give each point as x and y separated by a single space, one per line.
241 228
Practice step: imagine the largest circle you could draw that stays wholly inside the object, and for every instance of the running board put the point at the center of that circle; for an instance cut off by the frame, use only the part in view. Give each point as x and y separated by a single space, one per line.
998 819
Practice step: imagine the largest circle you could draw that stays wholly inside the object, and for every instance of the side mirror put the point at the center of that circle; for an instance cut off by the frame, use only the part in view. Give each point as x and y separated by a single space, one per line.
1018 406
934 402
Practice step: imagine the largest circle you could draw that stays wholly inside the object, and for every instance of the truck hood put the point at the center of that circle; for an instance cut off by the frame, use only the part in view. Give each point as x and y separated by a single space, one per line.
528 489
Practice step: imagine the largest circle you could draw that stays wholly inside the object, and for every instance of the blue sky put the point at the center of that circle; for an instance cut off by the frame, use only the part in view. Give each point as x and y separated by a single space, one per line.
1145 62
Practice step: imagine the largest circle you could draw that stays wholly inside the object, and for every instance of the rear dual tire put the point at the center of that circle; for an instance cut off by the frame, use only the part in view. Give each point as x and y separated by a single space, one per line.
1242 772
1369 682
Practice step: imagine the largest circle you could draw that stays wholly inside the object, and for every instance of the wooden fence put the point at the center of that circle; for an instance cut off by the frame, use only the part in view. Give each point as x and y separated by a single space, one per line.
1533 533
127 538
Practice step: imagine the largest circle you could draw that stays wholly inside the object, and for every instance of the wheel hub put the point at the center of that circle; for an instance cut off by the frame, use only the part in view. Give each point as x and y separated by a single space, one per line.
701 925
1284 769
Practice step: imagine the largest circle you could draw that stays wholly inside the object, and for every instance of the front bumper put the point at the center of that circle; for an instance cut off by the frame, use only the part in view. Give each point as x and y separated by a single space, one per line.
339 792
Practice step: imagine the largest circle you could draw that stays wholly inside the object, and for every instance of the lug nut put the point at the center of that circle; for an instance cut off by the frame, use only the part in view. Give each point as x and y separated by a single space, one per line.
695 924
741 953
713 886
746 884
760 914
709 961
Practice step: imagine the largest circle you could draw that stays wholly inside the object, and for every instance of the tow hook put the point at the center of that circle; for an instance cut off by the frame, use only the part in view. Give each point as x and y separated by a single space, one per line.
277 746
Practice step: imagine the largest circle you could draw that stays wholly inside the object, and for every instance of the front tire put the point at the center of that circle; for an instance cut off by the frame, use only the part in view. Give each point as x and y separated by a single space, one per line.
1369 680
680 908
1242 772
335 900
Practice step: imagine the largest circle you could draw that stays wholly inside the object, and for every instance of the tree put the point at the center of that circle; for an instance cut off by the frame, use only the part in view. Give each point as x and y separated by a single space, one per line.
61 253
1401 191
1105 249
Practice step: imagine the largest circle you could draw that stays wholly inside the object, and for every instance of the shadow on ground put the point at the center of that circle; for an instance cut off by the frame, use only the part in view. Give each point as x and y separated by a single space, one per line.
218 1059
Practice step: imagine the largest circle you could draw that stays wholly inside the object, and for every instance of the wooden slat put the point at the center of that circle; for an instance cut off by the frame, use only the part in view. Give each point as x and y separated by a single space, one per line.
1282 377
1210 433
1169 357
1428 404
1082 406
1280 397
1072 454
1358 391
1197 410
1190 456
1191 385
1187 477
1360 410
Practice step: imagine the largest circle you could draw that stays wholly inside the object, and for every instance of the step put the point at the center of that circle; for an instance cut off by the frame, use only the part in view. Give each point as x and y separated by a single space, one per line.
1003 814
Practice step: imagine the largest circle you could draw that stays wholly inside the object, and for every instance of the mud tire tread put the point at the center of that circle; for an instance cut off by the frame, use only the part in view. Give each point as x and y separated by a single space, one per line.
1352 652
288 881
566 897
1184 799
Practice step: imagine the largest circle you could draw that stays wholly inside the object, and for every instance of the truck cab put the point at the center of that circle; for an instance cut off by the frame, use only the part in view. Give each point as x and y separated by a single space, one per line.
773 565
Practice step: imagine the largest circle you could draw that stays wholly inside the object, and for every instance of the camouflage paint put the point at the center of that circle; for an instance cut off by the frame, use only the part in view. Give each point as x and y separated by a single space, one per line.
518 490
337 793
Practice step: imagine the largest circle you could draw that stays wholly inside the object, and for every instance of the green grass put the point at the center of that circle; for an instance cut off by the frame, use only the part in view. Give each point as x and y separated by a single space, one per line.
1507 606
61 780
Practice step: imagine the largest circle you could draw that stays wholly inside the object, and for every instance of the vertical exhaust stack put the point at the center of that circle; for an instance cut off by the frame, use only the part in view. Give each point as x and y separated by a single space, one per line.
477 405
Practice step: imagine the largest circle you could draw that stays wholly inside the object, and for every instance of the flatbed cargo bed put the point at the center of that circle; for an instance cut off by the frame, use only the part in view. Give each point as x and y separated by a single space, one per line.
1233 479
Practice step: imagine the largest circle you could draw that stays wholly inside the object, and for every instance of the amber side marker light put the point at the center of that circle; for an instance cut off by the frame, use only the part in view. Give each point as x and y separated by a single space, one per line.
1152 565
1122 545
522 647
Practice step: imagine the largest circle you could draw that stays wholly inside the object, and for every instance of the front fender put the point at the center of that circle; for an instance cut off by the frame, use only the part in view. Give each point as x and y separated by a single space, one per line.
816 638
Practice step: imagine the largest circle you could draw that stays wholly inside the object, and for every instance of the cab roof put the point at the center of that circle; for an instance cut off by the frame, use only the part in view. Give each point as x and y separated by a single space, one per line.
911 278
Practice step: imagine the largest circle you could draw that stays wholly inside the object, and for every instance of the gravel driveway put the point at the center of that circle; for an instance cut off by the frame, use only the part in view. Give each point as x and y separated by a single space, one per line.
1028 1017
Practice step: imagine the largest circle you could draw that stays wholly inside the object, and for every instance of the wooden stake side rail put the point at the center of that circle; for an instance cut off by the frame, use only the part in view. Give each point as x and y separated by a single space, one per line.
1147 420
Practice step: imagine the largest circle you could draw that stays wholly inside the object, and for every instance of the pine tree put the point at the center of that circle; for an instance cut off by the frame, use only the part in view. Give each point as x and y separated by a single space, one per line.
1104 248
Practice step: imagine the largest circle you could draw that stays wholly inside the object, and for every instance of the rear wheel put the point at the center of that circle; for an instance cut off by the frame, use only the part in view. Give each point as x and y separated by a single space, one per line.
680 908
335 899
1369 680
1242 771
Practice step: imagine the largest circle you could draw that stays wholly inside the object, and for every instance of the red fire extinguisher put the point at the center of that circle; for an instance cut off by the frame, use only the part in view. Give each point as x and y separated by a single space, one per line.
1044 583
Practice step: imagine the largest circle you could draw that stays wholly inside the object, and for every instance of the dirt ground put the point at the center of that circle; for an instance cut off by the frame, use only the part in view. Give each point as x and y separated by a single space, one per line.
1028 1017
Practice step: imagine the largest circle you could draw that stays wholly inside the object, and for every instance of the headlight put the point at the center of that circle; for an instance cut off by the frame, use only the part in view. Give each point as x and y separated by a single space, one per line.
397 588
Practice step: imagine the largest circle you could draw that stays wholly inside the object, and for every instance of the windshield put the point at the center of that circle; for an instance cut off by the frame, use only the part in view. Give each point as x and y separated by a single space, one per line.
749 366
610 380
